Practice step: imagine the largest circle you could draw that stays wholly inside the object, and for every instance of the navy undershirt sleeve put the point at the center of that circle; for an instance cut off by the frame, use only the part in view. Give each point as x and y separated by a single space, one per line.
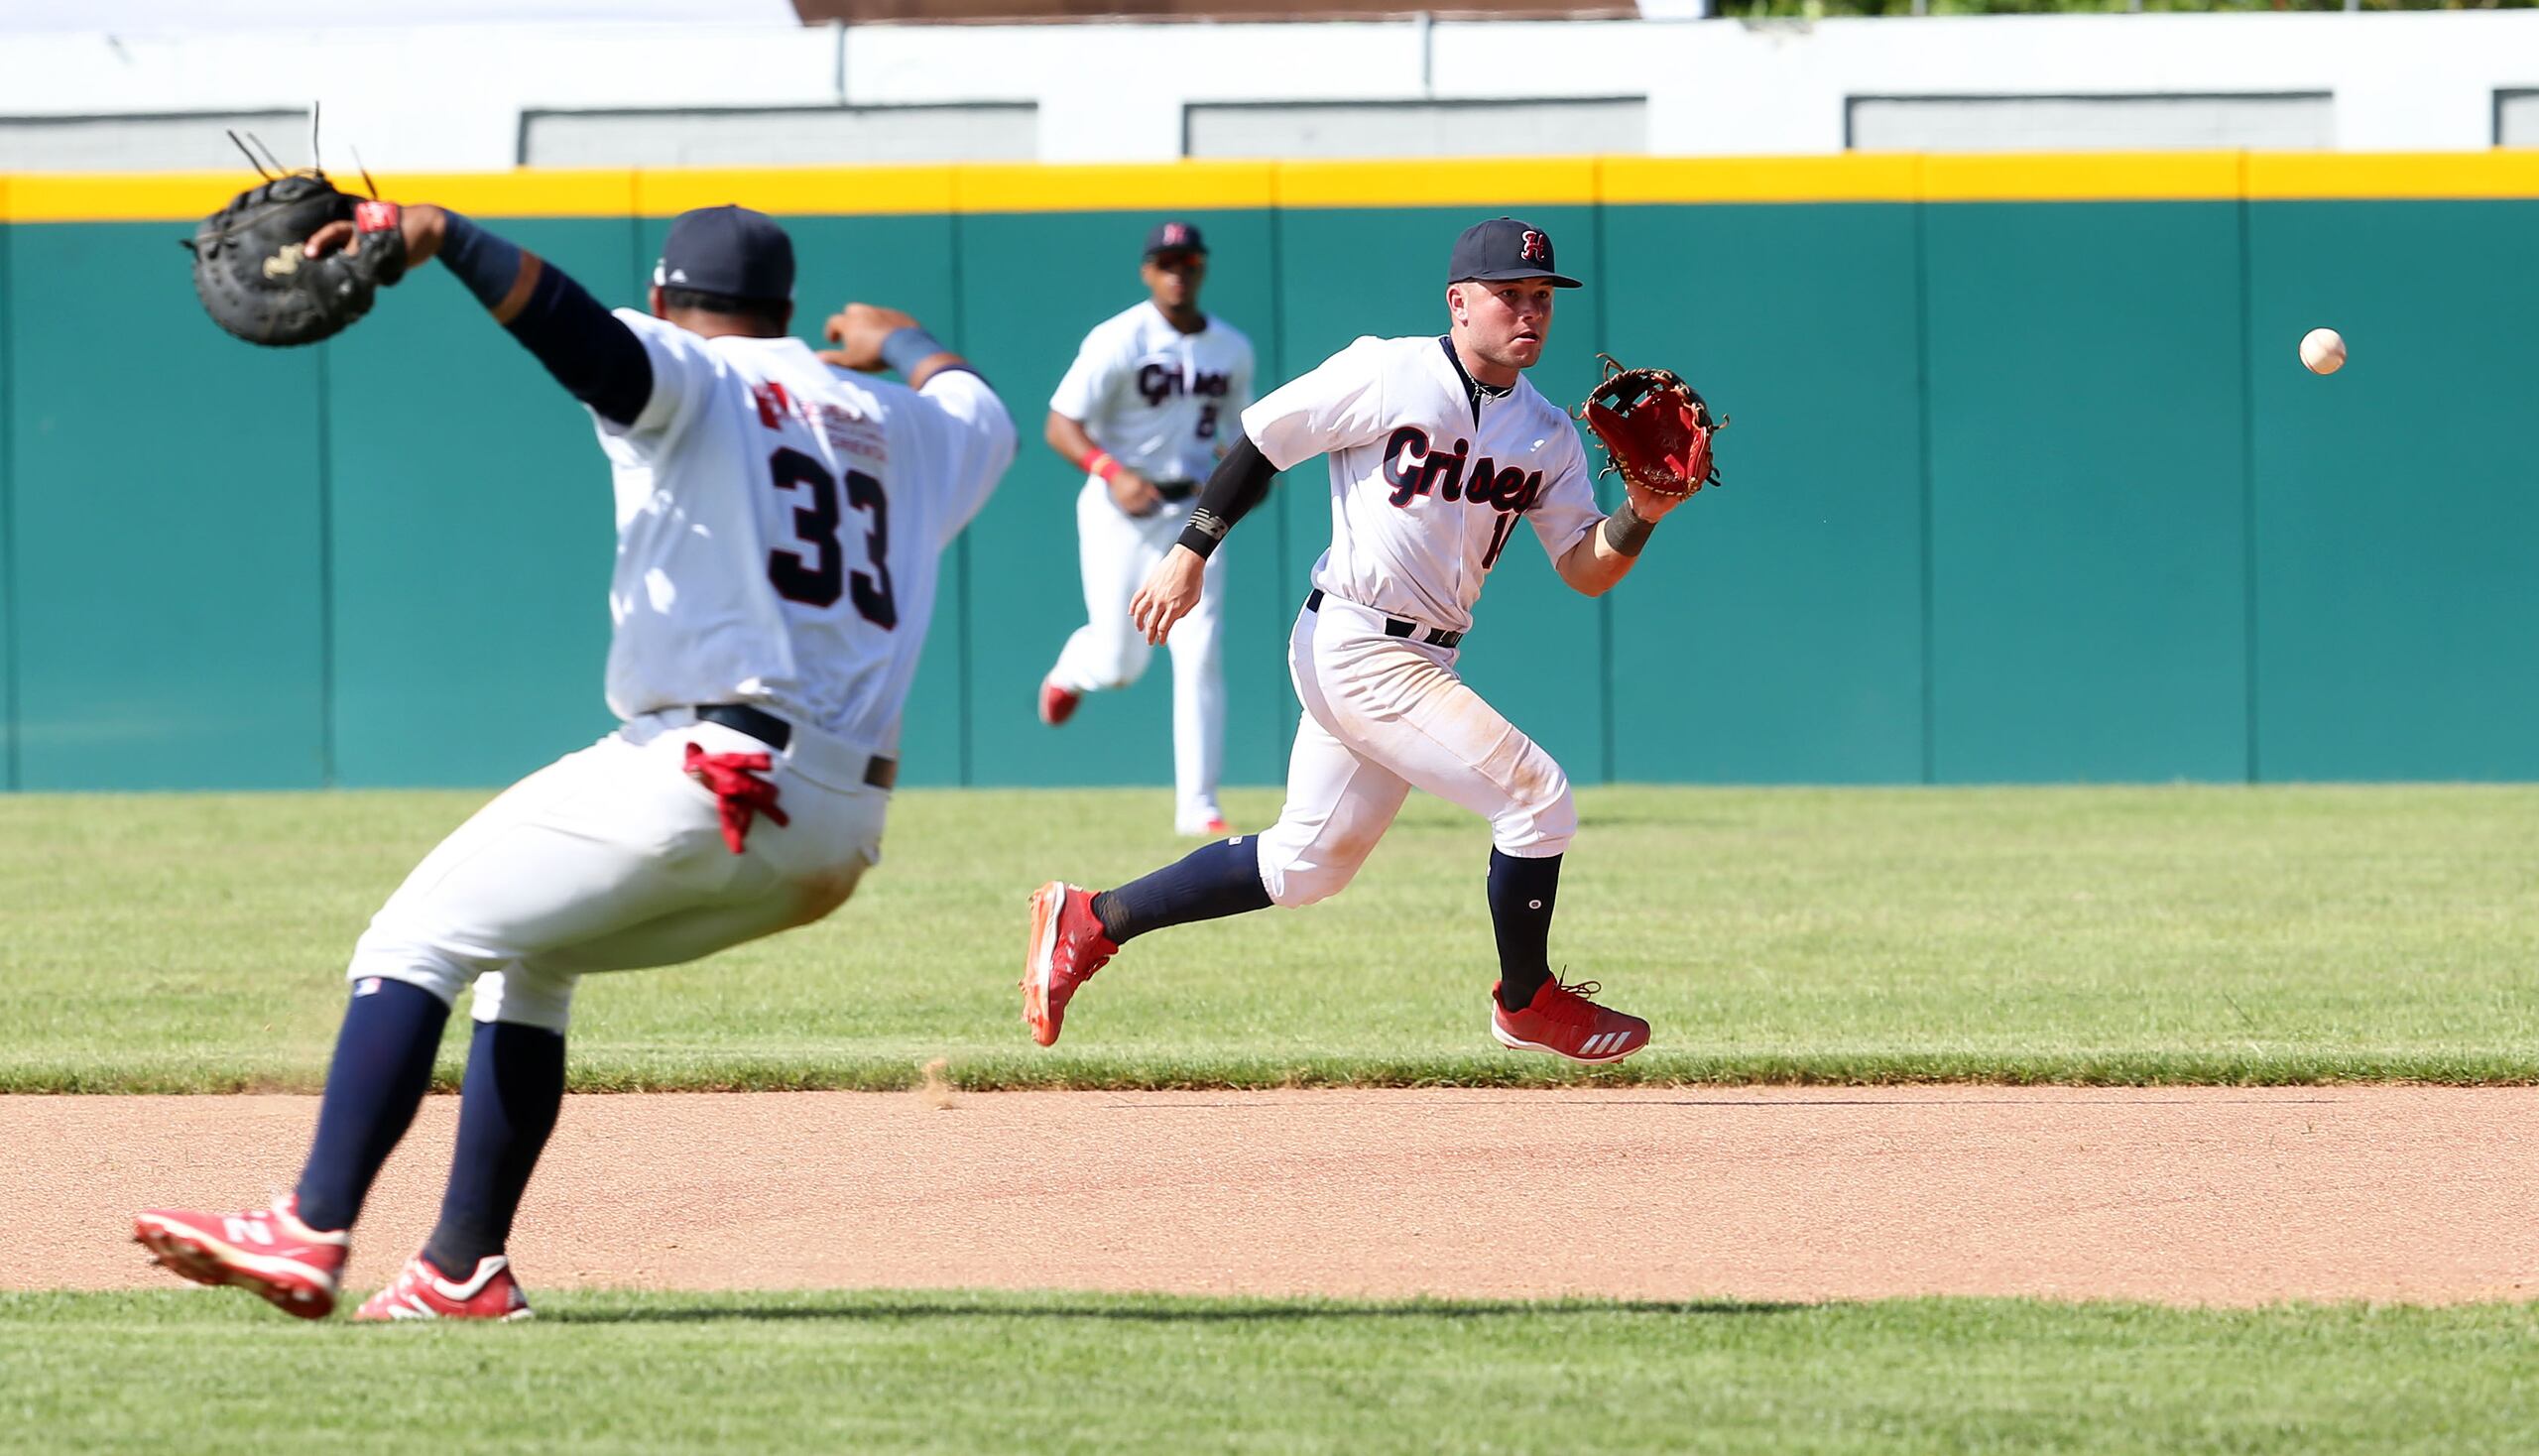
590 351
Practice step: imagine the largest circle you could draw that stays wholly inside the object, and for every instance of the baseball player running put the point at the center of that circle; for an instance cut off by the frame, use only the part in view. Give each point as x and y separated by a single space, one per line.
779 523
1437 448
1144 411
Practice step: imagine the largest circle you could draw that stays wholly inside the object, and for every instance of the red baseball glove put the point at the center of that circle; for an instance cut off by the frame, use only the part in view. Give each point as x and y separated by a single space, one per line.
1656 431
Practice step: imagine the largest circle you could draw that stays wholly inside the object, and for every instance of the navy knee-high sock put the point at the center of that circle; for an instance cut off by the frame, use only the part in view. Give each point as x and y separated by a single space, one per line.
383 1066
515 1087
1218 879
1521 893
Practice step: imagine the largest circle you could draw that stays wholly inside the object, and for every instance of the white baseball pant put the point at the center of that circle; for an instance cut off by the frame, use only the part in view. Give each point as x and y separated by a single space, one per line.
1384 715
1117 551
612 859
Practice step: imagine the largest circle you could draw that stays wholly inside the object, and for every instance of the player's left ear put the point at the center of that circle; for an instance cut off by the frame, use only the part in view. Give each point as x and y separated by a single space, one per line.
652 301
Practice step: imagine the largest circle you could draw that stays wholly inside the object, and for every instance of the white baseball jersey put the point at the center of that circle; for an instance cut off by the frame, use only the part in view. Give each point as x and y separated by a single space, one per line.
1162 402
1428 476
779 522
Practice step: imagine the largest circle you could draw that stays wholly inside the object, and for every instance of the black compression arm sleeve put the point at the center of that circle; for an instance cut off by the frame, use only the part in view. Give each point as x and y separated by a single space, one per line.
589 350
1238 484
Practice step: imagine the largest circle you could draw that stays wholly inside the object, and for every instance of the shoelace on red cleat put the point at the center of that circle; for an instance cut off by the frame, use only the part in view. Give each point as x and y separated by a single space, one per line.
740 796
1568 1004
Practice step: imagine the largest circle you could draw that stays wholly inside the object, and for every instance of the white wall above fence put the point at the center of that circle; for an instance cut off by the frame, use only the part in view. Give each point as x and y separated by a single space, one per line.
451 97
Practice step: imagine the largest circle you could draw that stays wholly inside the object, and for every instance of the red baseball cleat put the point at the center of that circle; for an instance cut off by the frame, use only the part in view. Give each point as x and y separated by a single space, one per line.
1066 947
269 1252
1212 827
1057 704
420 1292
1564 1023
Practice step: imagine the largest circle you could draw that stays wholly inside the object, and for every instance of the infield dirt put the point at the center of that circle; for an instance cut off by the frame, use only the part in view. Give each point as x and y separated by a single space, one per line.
2177 1195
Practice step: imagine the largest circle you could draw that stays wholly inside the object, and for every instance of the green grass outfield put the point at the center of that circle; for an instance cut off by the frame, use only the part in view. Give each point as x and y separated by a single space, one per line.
2135 935
204 1373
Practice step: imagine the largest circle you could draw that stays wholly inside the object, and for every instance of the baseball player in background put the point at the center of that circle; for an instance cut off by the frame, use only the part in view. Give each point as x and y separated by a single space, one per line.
1145 413
779 522
1438 446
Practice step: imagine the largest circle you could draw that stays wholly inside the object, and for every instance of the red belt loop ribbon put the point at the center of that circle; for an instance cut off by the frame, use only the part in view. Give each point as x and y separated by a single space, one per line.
740 796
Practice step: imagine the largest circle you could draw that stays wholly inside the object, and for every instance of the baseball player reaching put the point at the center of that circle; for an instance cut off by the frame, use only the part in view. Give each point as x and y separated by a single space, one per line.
1145 411
1437 448
778 523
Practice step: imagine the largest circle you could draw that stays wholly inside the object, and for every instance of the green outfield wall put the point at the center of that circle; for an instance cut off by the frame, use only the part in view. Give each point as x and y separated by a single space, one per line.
2024 482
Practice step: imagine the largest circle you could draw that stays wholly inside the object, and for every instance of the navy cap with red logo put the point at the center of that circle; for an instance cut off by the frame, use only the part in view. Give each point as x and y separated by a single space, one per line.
1505 248
1175 237
728 250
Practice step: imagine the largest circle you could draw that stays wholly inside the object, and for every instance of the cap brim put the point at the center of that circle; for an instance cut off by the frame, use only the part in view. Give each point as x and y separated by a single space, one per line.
1558 279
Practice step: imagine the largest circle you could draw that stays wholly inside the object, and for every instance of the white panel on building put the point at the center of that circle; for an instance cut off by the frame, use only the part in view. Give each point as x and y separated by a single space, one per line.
2517 118
2280 122
779 136
1539 128
189 142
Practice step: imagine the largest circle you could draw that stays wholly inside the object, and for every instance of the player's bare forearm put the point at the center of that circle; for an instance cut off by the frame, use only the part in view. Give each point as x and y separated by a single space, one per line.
1597 564
1593 568
426 227
1067 436
1132 492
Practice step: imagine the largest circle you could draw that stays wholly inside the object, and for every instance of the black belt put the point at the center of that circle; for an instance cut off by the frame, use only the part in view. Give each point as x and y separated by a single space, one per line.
1175 490
1395 626
776 733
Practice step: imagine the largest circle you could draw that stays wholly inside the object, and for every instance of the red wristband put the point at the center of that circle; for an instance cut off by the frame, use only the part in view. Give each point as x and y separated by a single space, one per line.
1100 463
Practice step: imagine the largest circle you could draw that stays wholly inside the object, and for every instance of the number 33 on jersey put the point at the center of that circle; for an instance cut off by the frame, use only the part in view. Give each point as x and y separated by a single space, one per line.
807 583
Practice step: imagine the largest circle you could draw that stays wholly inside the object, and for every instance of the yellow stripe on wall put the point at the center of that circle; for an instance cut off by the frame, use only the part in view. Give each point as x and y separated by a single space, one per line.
165 196
35 196
1438 181
1149 187
796 190
521 192
2274 175
2109 176
1851 177
1454 182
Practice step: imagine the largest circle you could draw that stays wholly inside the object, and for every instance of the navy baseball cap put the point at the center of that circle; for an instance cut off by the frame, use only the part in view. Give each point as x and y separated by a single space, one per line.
1505 248
1174 237
728 250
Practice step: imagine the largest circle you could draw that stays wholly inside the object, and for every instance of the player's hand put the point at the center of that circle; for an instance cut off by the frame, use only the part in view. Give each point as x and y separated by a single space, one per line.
423 225
1649 505
1172 590
858 330
1134 493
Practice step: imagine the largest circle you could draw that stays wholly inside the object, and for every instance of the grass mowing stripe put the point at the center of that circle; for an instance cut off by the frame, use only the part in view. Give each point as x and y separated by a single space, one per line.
211 1373
2133 934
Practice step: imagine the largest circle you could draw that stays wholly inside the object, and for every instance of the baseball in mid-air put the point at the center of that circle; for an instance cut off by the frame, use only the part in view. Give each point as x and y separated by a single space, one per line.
2323 351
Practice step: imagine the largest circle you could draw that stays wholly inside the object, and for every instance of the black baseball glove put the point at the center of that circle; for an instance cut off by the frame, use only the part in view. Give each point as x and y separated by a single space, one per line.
255 280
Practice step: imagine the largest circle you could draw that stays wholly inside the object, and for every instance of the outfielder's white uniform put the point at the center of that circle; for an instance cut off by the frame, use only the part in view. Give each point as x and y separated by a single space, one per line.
1162 403
779 523
1429 480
